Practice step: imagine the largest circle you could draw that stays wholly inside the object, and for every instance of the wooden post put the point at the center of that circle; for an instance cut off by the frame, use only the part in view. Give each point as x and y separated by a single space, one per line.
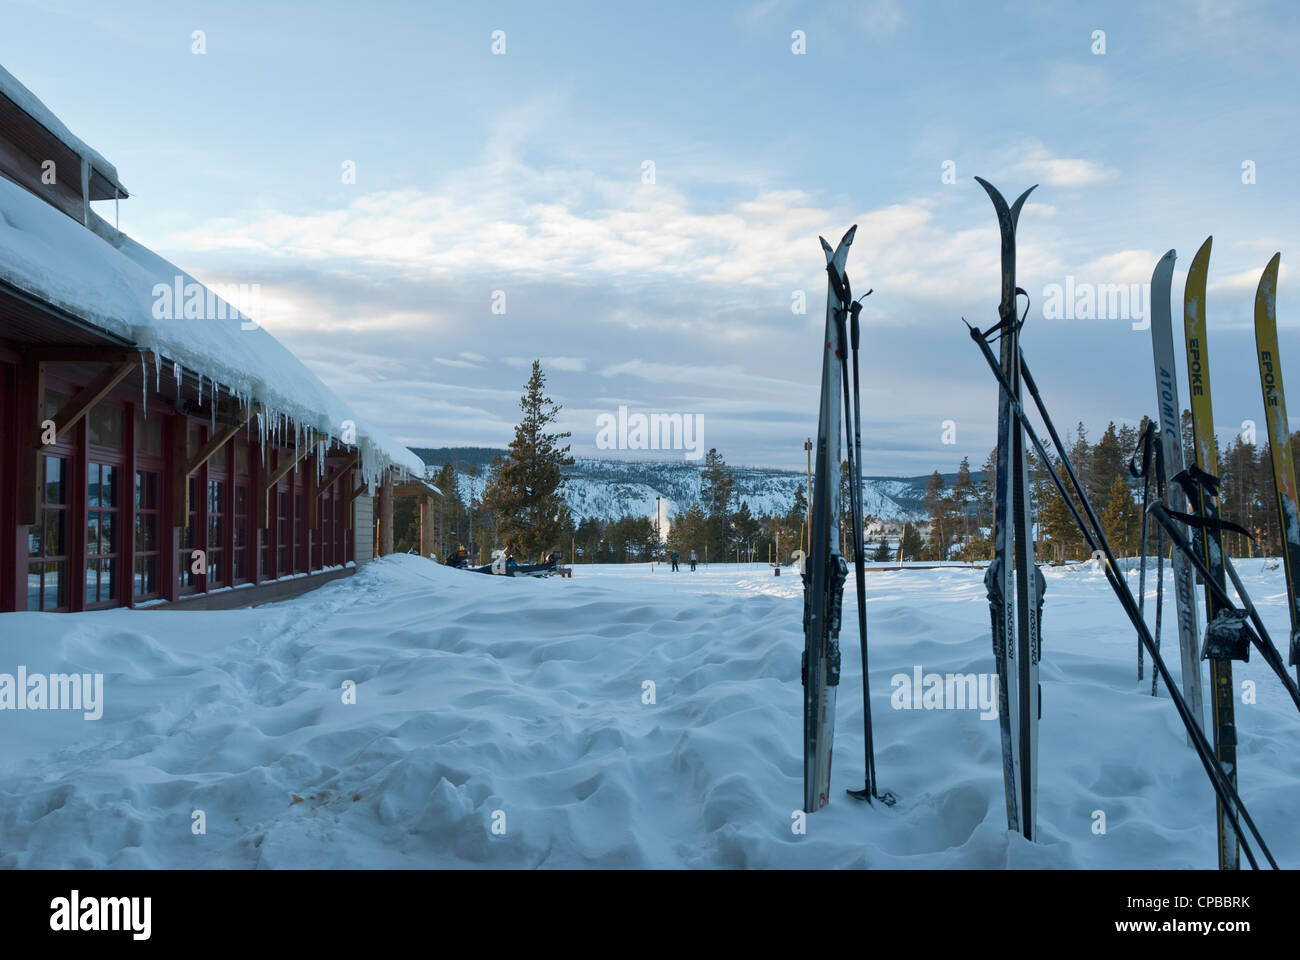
385 544
31 411
180 483
426 526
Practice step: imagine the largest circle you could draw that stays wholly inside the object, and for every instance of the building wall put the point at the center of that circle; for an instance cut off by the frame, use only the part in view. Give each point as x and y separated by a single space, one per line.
363 522
110 491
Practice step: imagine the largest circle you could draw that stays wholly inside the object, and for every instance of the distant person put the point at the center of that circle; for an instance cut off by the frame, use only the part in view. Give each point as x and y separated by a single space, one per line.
692 561
673 557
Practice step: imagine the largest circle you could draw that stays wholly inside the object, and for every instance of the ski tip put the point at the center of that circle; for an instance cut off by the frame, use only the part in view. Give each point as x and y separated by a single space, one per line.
1204 251
991 190
1266 292
848 237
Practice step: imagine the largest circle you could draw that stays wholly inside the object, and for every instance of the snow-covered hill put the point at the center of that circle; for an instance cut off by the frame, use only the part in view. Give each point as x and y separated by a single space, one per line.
606 489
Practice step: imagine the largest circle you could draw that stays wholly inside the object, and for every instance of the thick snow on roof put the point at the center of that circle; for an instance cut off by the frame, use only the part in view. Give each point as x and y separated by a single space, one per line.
109 280
42 114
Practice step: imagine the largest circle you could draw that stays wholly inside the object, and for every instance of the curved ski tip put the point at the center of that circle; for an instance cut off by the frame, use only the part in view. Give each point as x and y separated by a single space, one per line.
1267 288
827 247
1169 255
848 237
1204 250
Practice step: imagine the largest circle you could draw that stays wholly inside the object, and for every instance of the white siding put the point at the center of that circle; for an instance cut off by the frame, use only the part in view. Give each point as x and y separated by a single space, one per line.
363 522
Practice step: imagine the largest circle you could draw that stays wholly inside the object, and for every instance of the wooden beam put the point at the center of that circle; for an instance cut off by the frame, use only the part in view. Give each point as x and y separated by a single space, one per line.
385 527
31 410
110 355
180 480
88 396
413 490
357 492
215 443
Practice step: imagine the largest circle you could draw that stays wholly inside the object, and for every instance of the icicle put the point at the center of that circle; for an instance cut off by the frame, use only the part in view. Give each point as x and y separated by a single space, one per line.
200 390
177 372
144 388
157 372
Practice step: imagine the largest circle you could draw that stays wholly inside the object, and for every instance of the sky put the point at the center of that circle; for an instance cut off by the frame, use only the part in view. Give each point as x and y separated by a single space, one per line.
633 194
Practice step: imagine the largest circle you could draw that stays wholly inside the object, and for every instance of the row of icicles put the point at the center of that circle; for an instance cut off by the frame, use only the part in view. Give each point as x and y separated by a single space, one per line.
272 425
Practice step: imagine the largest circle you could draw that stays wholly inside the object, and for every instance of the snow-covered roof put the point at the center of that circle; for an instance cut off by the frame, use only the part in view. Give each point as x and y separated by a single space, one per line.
31 104
107 279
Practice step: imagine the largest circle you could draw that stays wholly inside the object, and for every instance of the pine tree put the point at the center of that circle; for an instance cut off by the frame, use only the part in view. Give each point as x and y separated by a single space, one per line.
717 489
1119 521
910 545
938 507
525 493
881 554
964 495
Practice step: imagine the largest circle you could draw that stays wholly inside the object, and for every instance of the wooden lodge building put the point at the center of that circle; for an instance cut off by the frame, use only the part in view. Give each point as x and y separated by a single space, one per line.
151 454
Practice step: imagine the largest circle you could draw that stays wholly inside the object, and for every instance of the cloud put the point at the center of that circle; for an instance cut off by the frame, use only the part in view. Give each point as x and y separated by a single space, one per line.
1038 164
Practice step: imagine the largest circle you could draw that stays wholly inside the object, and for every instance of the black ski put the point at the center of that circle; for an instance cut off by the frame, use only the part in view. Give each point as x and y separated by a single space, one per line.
1017 640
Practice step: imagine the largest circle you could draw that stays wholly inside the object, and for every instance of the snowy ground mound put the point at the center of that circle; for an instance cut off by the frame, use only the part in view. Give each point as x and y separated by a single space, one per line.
479 694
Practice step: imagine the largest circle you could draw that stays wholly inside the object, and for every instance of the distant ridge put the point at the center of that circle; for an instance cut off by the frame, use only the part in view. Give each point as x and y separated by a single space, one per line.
609 488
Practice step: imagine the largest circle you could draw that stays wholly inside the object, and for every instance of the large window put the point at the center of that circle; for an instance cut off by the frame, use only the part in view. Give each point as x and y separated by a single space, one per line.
300 531
148 549
216 532
282 532
240 531
322 544
190 582
47 541
103 553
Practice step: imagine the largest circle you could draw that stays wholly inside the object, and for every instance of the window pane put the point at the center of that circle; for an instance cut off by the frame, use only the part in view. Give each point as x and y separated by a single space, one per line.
34 585
218 459
108 485
35 534
54 585
107 579
92 534
146 490
148 437
54 401
146 575
92 581
54 540
92 484
54 486
105 426
107 532
146 532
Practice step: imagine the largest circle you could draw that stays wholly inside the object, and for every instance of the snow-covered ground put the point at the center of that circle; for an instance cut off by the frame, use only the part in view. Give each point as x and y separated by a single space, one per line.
517 702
